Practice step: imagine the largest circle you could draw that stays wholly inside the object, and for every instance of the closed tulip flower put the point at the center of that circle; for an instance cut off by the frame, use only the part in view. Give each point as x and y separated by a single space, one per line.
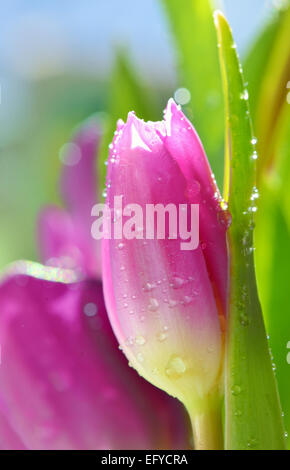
165 289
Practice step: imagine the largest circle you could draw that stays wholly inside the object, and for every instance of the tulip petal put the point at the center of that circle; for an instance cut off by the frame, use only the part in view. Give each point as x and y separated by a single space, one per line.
161 300
64 384
78 181
185 147
65 244
65 236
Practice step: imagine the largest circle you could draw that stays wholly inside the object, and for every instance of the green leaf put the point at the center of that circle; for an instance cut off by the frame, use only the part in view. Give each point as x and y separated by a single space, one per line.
127 93
272 238
267 68
195 38
253 413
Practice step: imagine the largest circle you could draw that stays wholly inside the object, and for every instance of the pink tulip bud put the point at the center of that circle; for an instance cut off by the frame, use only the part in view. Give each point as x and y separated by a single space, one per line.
165 286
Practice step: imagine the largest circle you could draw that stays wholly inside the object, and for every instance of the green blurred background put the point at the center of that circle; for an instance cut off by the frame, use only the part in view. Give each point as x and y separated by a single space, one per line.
56 66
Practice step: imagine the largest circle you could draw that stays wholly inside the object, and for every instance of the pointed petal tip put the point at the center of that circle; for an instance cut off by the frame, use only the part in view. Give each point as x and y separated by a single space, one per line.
171 110
120 124
171 107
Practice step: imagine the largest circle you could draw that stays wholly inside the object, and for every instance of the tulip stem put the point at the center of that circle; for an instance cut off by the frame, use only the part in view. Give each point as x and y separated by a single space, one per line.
207 426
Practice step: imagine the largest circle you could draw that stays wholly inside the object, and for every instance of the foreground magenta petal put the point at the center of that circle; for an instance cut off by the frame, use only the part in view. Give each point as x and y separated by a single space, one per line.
65 235
64 384
167 305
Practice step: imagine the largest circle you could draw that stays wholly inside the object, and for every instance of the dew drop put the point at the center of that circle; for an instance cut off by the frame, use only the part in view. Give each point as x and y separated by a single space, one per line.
255 194
245 95
254 155
224 218
223 205
252 443
149 287
177 282
153 305
175 367
162 336
187 299
140 357
140 340
236 390
244 320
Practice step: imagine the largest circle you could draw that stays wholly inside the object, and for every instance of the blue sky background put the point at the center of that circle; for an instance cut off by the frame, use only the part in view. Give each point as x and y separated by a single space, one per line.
52 36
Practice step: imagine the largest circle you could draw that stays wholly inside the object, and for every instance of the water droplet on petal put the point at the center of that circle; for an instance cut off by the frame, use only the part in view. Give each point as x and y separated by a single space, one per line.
224 218
177 282
162 336
153 305
149 286
187 299
140 340
140 357
175 367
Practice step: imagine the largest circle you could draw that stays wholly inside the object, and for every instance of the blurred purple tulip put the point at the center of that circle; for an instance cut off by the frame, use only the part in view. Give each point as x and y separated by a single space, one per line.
65 234
64 383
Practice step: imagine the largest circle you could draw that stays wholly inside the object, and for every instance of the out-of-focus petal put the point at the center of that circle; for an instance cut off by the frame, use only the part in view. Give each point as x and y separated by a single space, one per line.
78 180
65 236
162 300
64 384
64 244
